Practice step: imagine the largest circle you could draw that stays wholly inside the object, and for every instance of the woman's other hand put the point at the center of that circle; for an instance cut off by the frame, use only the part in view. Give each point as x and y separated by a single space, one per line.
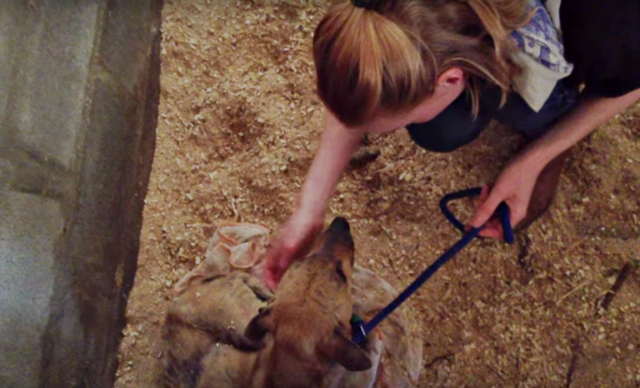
514 186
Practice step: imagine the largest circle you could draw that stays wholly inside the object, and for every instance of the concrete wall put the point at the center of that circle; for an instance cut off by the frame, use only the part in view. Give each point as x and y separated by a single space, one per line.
79 90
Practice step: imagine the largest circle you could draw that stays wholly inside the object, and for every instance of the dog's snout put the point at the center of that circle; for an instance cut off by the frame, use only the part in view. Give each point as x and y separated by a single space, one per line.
338 236
340 225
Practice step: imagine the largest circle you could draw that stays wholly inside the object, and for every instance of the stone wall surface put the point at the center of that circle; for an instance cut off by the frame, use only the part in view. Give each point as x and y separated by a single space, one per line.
79 92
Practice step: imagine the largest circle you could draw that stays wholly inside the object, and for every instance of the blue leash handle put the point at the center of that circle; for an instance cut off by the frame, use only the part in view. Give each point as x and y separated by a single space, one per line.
361 329
503 212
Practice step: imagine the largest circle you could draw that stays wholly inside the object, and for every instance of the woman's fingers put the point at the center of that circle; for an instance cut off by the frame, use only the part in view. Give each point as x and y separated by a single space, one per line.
271 280
484 194
487 207
271 273
492 229
277 258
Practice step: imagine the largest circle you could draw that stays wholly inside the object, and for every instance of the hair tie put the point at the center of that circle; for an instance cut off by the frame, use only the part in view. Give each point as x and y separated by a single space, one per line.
366 4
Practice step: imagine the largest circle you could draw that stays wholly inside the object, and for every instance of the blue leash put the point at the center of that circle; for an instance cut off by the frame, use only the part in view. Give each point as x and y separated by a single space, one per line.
361 329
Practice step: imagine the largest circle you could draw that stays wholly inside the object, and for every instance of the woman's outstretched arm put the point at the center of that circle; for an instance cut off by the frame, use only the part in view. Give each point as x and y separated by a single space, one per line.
337 144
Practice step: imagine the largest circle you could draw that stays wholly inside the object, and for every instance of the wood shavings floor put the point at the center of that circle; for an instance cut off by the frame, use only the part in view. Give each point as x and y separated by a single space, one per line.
238 125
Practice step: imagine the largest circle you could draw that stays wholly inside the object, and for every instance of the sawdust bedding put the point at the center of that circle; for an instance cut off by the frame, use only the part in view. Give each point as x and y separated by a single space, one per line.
238 125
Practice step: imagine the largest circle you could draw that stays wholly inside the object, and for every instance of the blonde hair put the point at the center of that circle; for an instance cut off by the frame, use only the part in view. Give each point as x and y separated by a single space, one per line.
388 56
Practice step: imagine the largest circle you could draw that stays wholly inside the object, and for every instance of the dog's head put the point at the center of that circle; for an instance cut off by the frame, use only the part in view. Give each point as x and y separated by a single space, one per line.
309 319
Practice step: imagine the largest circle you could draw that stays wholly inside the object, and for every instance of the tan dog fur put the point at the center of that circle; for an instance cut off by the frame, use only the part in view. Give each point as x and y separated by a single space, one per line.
292 343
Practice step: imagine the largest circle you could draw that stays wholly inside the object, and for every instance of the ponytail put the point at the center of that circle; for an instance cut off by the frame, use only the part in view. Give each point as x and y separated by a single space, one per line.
386 57
365 61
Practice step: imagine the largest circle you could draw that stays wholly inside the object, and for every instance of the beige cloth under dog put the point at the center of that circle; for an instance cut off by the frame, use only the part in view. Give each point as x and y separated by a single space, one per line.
396 353
234 246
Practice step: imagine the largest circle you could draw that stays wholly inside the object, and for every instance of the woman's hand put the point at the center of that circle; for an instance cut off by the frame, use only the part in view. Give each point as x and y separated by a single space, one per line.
337 144
524 175
514 186
291 242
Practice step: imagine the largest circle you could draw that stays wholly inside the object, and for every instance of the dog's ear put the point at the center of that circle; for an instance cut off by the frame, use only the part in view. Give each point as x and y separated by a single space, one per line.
259 325
345 352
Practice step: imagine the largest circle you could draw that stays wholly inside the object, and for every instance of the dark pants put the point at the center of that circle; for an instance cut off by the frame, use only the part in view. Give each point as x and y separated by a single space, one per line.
455 126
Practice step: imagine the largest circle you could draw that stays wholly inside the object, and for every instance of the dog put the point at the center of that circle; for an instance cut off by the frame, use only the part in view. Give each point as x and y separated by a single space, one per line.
227 330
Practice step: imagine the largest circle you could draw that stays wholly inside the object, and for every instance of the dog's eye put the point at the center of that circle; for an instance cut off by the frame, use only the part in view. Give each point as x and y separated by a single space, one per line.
340 272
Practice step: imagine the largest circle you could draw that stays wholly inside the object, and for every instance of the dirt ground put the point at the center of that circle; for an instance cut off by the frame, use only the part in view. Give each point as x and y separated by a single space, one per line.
239 122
